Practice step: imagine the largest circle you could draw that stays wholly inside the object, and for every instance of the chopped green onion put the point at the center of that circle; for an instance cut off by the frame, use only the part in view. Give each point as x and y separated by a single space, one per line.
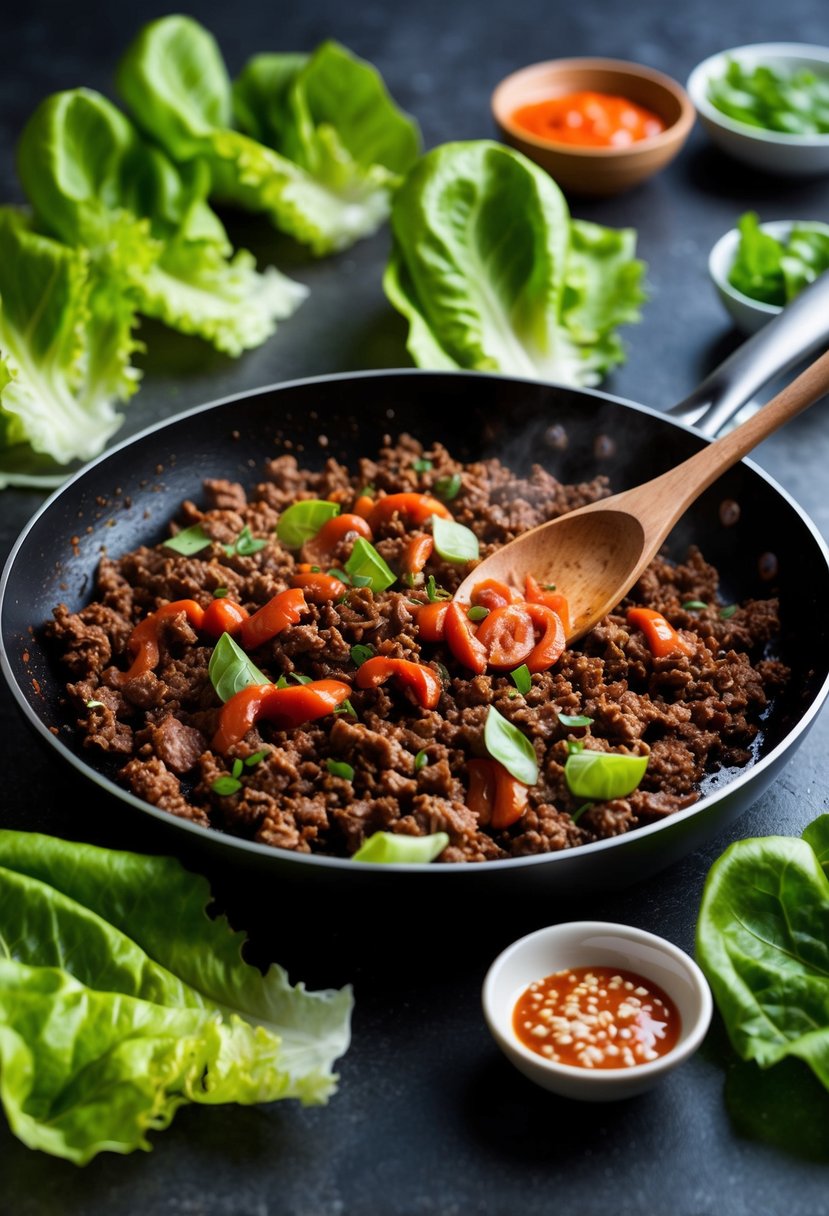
454 542
236 770
250 761
601 776
338 768
366 562
506 744
478 613
299 679
340 574
575 720
282 682
392 848
434 592
226 785
522 679
421 760
361 654
303 520
188 541
220 593
94 705
421 466
360 580
449 487
231 670
577 814
345 707
727 613
245 544
694 605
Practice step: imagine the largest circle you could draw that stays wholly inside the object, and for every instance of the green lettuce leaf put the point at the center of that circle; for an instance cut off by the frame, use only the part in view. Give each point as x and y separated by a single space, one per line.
94 182
763 943
65 349
120 999
492 274
322 145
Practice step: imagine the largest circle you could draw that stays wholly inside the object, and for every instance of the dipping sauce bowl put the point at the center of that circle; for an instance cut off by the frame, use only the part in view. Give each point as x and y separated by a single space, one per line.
614 949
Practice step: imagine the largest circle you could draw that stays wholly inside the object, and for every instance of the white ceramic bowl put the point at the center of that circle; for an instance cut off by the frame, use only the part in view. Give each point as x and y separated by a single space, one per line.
748 315
595 943
796 155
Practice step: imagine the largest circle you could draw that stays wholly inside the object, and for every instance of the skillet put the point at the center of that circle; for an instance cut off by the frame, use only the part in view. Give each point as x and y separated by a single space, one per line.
128 496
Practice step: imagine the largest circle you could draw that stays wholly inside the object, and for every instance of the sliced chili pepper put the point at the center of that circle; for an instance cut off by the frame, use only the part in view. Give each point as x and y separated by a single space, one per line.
494 795
143 641
319 587
660 635
552 641
364 506
417 553
416 508
492 594
286 707
507 636
462 640
319 551
420 679
223 616
281 610
536 594
431 620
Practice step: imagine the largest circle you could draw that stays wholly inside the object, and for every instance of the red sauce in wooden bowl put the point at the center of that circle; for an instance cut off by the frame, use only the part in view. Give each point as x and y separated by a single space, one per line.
590 120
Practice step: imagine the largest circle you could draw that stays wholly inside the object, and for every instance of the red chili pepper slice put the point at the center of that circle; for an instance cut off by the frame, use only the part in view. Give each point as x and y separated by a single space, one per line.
660 635
143 641
281 610
319 587
223 616
493 594
494 795
416 508
319 550
461 639
551 644
431 620
286 707
417 553
507 636
536 594
420 679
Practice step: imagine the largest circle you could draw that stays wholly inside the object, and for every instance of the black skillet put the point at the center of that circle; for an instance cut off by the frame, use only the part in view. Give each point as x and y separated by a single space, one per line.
761 546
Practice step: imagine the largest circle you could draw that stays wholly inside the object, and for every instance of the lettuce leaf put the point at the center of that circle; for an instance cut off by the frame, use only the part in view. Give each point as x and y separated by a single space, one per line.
65 348
322 145
94 182
120 999
763 943
492 274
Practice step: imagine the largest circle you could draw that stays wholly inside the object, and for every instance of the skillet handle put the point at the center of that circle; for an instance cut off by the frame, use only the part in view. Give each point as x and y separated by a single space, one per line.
799 331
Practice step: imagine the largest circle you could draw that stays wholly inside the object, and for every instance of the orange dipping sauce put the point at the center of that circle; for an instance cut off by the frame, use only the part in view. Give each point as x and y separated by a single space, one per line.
589 120
596 1017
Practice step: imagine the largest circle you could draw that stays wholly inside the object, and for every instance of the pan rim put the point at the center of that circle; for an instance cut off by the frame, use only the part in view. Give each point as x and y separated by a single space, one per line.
319 861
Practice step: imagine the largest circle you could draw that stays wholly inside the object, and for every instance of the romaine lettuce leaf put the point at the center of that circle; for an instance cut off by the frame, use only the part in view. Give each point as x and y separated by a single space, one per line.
322 144
120 999
492 274
94 182
65 348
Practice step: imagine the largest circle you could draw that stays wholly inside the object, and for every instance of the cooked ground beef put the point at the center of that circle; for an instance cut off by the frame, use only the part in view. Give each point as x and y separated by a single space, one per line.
692 713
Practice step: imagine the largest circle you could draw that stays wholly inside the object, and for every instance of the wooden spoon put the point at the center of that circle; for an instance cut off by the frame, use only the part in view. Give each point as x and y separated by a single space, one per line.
595 554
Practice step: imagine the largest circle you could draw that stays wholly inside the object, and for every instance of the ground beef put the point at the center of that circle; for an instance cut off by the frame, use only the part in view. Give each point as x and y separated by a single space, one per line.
690 713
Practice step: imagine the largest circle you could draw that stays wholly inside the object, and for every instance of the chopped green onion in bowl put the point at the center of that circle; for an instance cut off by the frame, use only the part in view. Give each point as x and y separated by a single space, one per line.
793 100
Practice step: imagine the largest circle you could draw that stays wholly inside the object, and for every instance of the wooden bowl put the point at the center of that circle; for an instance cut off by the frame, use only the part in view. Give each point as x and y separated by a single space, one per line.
588 170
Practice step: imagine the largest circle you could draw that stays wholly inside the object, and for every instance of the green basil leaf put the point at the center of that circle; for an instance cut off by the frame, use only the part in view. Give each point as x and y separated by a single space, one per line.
231 670
220 593
421 466
300 679
188 541
338 768
392 848
694 605
448 488
573 720
727 612
506 744
226 785
361 654
454 542
256 758
94 705
245 544
236 770
522 678
601 776
477 613
421 760
366 562
303 520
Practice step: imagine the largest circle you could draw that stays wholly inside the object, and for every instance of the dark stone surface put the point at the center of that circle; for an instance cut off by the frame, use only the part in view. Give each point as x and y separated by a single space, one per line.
429 1118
